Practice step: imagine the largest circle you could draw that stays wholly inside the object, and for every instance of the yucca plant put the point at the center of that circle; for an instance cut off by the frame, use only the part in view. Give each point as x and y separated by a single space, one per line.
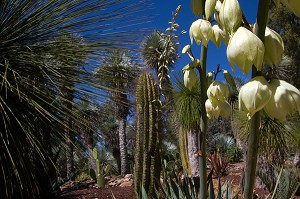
43 45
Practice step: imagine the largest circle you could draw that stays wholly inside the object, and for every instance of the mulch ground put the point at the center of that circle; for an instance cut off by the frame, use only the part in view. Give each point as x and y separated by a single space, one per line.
96 193
91 192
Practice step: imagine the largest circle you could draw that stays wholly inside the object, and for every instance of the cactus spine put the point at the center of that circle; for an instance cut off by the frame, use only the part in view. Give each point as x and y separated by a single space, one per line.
147 147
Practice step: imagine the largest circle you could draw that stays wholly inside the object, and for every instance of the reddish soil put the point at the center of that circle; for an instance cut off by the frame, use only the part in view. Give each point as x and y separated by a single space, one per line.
87 191
94 193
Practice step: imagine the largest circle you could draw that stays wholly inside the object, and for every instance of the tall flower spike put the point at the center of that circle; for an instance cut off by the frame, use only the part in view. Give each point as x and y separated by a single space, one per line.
217 91
201 30
254 95
230 15
274 47
189 78
285 100
244 50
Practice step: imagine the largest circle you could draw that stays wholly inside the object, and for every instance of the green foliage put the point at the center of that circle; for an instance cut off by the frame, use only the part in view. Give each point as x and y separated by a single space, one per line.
286 184
102 169
234 154
187 104
44 44
147 147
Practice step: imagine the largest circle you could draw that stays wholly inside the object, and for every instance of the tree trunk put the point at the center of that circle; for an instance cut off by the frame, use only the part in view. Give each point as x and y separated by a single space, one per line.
123 147
69 148
193 152
297 159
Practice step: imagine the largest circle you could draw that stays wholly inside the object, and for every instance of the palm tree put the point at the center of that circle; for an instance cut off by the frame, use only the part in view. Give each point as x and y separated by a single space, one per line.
187 113
118 72
34 65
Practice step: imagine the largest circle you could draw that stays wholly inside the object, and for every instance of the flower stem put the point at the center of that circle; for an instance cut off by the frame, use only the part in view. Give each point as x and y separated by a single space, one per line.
253 140
203 125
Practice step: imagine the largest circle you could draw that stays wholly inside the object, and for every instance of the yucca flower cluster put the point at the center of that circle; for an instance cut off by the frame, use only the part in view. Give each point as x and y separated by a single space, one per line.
216 104
277 98
244 50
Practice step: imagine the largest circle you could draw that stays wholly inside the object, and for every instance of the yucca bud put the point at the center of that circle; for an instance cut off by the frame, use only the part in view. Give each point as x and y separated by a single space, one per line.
209 8
229 79
186 49
217 91
225 109
230 15
254 95
209 78
212 110
217 13
274 47
285 100
201 30
189 78
293 5
197 7
244 50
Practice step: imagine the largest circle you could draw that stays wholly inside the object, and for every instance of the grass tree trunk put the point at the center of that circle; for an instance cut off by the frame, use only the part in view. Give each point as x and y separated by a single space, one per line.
193 151
253 140
123 145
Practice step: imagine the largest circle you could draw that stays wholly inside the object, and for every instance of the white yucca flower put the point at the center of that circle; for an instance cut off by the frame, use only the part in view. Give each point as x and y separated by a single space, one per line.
274 47
209 8
244 50
201 30
219 36
217 91
230 15
212 109
254 95
285 100
189 78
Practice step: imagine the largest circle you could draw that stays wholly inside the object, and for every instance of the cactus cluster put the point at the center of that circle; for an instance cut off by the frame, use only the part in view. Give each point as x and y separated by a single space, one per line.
147 163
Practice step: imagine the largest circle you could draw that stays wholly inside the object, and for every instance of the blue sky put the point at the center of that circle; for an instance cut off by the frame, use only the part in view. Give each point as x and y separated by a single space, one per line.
163 10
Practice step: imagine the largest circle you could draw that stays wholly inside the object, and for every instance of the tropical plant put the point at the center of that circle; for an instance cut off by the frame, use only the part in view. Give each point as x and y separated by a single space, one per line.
147 159
118 72
40 43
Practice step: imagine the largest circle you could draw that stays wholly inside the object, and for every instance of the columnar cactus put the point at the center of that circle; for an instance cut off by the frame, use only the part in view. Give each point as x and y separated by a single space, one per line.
147 147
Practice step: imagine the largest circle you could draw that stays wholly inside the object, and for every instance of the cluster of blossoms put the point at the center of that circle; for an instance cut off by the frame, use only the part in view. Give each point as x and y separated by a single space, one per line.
216 104
244 50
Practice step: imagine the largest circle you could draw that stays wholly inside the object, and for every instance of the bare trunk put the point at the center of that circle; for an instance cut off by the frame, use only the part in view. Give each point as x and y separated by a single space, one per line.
69 149
123 147
193 152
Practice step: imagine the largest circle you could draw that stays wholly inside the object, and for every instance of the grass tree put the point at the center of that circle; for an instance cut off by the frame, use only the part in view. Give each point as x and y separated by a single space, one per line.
187 113
118 72
31 114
